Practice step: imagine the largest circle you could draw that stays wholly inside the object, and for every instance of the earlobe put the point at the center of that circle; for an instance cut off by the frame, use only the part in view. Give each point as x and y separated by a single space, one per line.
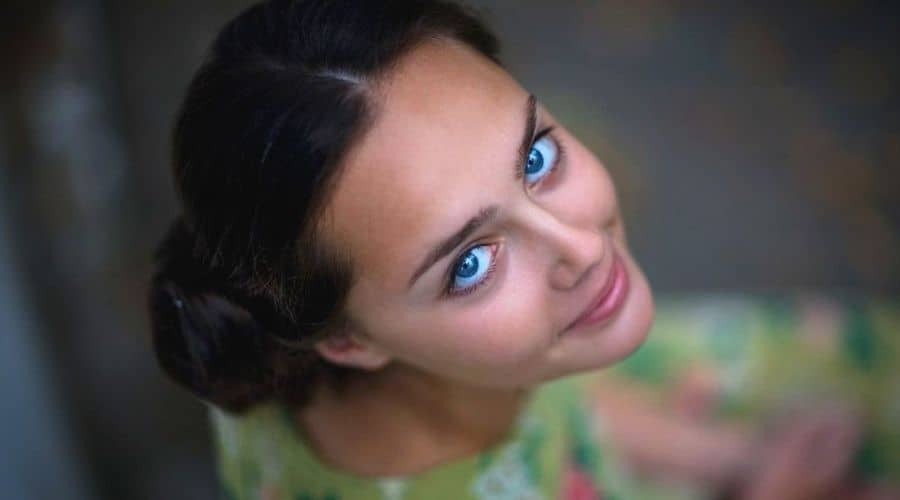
349 350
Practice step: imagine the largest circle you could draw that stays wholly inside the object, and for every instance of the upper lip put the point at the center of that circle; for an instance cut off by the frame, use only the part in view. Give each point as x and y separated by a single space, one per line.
598 297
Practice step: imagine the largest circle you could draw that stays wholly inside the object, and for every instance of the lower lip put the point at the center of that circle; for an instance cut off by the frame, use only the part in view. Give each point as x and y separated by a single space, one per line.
613 301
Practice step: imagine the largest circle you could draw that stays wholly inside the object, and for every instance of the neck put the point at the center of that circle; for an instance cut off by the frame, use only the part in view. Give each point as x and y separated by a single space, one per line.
402 421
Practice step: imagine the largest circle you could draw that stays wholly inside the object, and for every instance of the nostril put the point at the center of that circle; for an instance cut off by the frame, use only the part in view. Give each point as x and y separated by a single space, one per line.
567 277
580 256
585 276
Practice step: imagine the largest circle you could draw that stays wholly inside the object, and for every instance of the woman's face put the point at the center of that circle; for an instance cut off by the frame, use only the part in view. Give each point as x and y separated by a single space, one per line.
491 305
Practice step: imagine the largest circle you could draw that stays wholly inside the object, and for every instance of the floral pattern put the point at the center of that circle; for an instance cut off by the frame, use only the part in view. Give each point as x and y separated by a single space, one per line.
579 485
723 358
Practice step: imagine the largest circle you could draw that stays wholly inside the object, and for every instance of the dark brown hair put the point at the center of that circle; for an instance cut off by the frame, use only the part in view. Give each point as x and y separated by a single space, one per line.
243 286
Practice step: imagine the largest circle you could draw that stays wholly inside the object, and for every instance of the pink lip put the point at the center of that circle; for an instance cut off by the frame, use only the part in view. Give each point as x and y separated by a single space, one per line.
610 298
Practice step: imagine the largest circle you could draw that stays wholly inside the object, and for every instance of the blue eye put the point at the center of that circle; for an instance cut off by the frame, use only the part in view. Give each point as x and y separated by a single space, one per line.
472 269
541 159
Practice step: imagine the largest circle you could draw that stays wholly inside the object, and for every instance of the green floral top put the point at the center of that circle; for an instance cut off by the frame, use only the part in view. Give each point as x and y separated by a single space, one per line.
553 452
760 355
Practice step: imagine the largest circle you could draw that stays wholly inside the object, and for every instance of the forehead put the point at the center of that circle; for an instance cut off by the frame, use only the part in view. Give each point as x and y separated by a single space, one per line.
449 120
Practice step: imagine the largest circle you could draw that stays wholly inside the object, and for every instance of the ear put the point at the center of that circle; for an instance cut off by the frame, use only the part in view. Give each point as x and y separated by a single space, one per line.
346 348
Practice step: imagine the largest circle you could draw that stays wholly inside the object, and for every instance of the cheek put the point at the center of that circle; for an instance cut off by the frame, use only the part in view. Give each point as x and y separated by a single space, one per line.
586 194
591 183
511 330
514 326
504 332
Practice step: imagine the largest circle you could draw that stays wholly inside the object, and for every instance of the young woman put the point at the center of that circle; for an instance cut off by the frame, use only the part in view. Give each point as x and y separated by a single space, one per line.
390 257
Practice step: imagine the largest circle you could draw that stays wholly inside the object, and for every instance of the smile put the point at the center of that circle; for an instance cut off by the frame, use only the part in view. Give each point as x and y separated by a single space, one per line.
609 300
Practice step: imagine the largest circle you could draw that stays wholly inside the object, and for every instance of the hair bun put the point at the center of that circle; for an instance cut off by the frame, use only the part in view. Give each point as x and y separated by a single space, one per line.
202 338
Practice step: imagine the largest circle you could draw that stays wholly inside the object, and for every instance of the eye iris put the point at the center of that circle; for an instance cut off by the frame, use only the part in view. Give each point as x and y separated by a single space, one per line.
535 161
468 266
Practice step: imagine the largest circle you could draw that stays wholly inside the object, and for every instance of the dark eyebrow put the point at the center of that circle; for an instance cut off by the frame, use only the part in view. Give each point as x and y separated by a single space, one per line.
486 214
528 136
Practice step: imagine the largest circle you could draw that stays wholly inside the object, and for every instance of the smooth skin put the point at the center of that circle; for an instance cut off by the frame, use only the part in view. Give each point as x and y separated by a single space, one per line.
450 358
449 372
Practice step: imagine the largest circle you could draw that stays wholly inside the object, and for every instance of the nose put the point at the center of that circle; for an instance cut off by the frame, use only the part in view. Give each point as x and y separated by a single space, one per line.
573 249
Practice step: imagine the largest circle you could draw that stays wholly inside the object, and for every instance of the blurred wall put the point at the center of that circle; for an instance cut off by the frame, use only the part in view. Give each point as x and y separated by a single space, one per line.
754 148
755 144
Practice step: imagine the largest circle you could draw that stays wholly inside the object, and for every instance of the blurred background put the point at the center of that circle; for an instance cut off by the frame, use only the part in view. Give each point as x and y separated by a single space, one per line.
755 149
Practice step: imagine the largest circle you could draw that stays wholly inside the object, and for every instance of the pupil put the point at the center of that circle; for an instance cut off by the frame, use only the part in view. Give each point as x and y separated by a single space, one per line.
535 161
468 266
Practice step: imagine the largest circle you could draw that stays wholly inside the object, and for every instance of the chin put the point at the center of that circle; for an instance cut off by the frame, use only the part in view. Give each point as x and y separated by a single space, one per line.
614 341
636 321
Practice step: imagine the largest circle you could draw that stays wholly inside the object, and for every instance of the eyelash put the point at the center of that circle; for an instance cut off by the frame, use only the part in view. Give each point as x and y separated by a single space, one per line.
494 248
560 153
